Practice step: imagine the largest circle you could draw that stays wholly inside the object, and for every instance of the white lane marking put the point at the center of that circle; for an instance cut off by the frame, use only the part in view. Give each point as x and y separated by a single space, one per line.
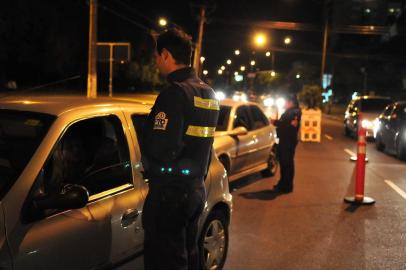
328 137
396 188
348 151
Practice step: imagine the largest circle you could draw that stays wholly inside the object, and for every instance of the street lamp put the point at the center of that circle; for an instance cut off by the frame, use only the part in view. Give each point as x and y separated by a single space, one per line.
267 54
223 68
242 68
273 73
219 72
205 72
260 39
288 40
252 63
236 73
229 62
237 52
163 22
202 59
298 76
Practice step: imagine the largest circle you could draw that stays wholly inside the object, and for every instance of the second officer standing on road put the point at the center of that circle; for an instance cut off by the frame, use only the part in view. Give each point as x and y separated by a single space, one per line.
177 142
287 128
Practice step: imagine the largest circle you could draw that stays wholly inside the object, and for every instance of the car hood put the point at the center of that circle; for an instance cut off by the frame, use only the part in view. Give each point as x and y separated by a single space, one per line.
371 116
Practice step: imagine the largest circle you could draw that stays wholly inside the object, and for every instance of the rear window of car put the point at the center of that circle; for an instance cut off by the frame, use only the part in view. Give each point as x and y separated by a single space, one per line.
374 105
20 135
224 115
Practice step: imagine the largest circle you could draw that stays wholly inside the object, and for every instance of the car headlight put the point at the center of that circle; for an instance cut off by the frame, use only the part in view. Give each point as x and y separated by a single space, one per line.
280 102
220 95
367 124
268 102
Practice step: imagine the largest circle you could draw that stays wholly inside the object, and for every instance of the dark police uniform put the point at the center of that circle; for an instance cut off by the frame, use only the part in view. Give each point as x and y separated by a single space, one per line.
287 128
176 154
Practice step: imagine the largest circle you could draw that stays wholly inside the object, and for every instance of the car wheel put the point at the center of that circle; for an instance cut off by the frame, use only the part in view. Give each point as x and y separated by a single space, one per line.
226 163
214 241
272 165
378 142
347 131
401 150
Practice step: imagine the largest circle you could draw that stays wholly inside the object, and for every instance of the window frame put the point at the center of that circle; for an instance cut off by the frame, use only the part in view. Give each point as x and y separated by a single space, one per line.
264 120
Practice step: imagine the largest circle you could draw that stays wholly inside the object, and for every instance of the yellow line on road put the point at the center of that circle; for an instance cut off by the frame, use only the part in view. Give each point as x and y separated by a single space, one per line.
348 151
396 188
328 137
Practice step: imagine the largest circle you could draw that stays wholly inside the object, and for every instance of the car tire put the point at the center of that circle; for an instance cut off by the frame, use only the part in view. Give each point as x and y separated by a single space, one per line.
226 163
401 150
213 241
347 131
378 142
273 163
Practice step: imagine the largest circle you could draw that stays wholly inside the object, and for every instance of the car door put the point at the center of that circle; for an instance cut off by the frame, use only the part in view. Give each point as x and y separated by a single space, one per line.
262 137
245 144
93 153
392 129
384 124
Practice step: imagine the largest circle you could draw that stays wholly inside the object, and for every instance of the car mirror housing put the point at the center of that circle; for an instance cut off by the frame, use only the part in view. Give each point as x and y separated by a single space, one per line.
71 197
238 131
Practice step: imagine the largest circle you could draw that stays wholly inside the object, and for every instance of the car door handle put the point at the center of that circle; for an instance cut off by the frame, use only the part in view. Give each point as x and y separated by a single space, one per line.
129 217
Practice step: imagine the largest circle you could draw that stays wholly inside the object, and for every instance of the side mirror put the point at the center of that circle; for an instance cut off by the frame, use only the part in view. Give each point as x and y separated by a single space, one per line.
71 197
238 131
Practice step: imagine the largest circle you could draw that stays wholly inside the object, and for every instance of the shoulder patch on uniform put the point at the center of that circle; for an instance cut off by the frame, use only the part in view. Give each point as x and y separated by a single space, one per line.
160 121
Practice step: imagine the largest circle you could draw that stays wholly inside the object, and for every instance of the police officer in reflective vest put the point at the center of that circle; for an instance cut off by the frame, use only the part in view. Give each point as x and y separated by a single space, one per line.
177 145
287 128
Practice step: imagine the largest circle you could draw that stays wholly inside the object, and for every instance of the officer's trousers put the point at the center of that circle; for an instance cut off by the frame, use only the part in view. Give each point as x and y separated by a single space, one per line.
286 154
170 220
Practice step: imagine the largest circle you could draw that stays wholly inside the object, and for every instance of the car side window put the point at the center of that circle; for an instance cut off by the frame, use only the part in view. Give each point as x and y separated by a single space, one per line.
92 153
242 118
258 117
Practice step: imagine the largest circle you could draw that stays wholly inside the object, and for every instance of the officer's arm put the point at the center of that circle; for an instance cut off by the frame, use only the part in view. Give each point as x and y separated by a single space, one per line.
165 141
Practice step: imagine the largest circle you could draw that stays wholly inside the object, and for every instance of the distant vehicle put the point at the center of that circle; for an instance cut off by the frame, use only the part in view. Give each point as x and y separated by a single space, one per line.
391 130
240 96
369 107
245 141
72 191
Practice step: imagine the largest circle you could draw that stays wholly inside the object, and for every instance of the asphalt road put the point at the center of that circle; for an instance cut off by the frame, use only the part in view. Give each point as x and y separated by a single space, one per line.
312 228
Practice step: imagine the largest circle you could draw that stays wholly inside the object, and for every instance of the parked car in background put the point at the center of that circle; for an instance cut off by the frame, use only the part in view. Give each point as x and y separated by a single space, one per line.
369 107
390 133
72 189
245 141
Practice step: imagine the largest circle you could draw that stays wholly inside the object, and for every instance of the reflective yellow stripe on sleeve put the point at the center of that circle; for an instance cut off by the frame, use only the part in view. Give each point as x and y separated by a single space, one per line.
209 104
198 131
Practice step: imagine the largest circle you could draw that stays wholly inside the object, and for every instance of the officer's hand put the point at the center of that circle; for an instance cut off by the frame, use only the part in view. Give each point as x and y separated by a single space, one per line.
294 123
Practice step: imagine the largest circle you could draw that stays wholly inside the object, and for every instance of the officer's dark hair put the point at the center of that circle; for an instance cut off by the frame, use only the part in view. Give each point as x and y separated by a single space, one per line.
178 43
293 99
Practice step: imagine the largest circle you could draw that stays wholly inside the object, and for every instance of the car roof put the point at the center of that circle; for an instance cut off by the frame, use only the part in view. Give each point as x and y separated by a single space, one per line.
57 105
232 103
372 97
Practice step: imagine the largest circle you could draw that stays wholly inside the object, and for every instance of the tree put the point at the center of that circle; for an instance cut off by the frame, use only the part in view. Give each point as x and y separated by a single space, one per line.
310 96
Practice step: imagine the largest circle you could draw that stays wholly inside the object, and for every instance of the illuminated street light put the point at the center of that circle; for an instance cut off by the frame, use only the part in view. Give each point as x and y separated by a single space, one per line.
242 68
205 72
237 52
236 73
268 54
252 63
288 40
223 68
220 72
202 59
260 39
228 62
298 76
163 22
273 73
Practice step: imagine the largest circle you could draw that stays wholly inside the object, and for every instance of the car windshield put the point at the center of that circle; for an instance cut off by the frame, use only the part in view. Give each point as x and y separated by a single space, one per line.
374 105
224 115
20 135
